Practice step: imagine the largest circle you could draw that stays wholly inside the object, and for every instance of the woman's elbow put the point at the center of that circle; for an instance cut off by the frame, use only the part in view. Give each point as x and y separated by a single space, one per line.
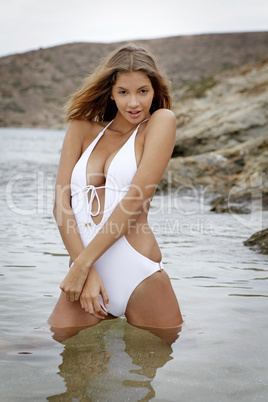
60 208
136 203
55 210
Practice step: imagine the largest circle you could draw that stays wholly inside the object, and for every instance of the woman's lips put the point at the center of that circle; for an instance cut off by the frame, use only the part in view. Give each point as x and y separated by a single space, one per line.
134 113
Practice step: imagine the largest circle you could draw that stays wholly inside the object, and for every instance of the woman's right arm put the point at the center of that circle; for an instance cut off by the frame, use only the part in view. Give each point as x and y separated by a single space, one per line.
71 152
63 213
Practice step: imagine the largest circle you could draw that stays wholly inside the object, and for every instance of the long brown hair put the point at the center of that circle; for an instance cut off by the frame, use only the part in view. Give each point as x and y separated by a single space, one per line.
93 100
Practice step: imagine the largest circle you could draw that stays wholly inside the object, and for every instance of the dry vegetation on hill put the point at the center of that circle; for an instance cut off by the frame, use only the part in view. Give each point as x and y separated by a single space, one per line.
34 85
220 88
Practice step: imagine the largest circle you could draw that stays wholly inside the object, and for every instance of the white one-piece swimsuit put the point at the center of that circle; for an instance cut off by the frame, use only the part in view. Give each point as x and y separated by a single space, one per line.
121 268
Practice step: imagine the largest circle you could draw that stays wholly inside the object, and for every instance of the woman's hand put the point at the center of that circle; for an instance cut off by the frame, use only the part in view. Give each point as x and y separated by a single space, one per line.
73 282
90 296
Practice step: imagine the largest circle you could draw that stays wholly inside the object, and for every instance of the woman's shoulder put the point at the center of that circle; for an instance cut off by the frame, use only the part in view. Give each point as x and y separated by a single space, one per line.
163 114
85 128
162 120
81 124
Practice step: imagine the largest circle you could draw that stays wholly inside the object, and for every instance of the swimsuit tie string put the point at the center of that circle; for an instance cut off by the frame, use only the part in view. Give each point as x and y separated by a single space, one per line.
83 192
93 195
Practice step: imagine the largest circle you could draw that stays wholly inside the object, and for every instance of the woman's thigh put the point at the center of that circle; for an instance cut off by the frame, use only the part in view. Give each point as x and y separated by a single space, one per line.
70 314
154 304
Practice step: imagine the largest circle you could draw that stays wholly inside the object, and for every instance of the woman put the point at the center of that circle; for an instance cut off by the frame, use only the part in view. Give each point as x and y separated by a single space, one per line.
117 146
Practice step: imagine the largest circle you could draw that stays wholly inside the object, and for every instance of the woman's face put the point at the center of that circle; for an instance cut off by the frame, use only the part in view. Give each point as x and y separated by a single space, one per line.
133 94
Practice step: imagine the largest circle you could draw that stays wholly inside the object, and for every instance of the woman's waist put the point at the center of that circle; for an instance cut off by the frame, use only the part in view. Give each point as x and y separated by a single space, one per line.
140 235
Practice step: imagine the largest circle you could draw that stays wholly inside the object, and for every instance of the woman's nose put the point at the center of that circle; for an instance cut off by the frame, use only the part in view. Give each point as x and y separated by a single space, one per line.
133 101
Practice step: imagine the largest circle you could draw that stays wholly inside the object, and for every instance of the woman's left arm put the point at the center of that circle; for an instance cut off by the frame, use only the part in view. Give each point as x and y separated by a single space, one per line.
158 147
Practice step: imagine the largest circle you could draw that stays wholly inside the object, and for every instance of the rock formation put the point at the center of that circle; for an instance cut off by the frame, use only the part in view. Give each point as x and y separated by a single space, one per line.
222 141
220 86
258 241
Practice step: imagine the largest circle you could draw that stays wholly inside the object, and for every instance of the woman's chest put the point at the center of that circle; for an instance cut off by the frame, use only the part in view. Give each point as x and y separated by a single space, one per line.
113 159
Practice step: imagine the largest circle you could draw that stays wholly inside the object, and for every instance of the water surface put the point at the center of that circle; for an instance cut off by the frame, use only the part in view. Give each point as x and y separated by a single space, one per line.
221 352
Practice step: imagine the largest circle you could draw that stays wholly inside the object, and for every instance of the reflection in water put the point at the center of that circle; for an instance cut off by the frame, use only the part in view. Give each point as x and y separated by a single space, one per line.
220 324
112 361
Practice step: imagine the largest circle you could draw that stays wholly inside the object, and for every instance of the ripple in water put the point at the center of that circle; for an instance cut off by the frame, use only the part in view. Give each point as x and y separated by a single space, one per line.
221 286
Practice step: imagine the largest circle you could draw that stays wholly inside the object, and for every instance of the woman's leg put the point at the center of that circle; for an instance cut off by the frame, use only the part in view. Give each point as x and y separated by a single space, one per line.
68 318
154 304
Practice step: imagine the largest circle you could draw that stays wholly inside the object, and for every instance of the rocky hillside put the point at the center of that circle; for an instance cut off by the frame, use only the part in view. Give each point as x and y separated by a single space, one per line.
222 141
220 87
34 85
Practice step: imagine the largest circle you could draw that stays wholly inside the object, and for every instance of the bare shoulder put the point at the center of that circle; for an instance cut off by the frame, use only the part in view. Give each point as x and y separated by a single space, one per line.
160 132
79 127
83 123
163 118
84 130
163 114
162 121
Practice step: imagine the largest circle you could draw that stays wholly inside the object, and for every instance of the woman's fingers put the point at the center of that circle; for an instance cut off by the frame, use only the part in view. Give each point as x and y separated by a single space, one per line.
71 295
104 296
90 295
72 292
92 306
73 283
74 296
98 309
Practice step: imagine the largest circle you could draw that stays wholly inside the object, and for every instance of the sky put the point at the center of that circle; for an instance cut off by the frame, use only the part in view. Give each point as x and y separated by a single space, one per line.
30 24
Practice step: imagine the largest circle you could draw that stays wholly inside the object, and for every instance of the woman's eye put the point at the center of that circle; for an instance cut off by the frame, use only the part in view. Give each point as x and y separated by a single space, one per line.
144 91
122 92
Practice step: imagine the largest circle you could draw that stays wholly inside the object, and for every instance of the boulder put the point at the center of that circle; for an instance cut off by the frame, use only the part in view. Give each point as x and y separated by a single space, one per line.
244 166
258 241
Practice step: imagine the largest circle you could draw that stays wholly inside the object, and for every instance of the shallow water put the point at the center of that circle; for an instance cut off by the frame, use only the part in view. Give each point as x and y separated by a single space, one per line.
221 352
